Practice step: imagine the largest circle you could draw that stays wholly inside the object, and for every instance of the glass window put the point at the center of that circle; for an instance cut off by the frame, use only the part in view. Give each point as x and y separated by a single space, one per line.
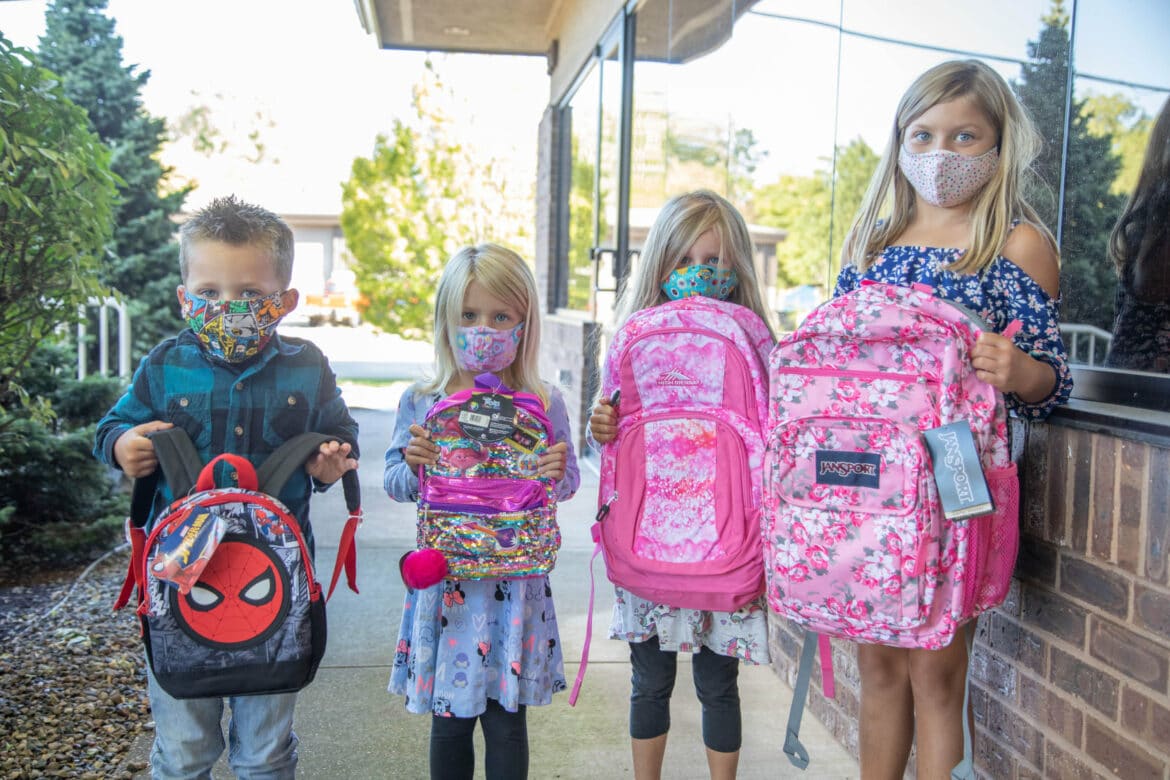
784 107
1117 303
700 123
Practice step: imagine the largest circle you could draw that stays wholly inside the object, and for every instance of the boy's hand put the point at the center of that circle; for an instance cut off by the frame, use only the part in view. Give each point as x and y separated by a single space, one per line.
603 422
420 450
330 462
135 453
552 463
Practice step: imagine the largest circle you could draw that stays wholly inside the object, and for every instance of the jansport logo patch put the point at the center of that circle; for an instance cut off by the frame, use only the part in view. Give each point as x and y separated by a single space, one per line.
676 378
854 469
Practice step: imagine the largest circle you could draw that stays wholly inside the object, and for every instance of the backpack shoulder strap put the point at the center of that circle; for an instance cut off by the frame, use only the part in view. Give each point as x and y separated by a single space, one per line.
290 456
283 462
178 462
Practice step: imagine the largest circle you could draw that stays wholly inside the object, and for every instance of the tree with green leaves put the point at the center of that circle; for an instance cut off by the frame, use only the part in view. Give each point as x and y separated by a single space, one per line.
81 46
406 209
1090 207
816 211
57 196
57 199
1128 128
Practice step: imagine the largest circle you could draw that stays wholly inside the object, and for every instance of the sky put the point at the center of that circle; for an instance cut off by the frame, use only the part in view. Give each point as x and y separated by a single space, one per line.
312 73
319 89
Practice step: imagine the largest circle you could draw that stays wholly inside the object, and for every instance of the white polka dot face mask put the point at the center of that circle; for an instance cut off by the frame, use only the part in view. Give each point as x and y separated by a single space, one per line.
945 178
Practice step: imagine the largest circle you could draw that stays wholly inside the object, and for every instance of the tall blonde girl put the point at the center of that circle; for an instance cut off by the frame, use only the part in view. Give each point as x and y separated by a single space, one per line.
945 208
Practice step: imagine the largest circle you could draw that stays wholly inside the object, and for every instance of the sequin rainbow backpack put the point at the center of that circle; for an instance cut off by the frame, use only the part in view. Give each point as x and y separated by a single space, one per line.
482 506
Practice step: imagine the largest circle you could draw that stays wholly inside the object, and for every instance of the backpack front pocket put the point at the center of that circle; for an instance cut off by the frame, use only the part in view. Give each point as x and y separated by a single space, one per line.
686 479
489 546
853 542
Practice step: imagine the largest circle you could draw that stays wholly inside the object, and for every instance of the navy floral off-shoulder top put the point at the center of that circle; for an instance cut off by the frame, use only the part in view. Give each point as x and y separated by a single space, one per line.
1001 293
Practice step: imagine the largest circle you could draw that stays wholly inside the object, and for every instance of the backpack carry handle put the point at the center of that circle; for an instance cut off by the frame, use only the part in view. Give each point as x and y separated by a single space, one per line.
245 473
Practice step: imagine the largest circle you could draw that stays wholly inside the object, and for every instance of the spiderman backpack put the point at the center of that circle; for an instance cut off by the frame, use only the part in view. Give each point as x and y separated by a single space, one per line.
227 596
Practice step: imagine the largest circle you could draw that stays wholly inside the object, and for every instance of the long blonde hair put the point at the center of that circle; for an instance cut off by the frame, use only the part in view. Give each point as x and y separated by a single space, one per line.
504 275
679 224
999 202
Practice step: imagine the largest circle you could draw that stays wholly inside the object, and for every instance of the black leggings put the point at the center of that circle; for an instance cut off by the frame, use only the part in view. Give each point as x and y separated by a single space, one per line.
505 736
716 685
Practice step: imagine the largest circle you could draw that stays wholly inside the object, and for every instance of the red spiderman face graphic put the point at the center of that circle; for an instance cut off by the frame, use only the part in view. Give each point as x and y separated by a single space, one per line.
240 599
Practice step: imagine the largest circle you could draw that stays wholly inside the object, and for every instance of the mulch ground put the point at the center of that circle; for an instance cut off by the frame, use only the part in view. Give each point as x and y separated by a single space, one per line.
72 682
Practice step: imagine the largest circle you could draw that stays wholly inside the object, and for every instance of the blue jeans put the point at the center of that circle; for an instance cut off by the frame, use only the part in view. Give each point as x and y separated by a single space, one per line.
188 738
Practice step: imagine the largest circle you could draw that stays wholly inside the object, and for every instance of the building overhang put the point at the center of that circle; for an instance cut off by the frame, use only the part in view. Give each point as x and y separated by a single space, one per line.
476 26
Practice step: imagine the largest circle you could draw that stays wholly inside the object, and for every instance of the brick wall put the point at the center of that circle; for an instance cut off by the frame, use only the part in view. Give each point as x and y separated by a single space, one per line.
1072 673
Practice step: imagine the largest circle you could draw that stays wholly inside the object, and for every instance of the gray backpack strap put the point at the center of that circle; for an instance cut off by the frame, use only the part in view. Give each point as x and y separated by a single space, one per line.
290 456
965 769
179 464
178 459
792 746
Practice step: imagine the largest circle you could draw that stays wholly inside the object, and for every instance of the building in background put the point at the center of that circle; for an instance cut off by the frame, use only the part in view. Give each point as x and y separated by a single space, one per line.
775 103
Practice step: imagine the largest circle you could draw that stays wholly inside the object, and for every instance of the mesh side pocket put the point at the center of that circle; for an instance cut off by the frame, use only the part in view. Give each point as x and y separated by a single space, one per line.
1002 539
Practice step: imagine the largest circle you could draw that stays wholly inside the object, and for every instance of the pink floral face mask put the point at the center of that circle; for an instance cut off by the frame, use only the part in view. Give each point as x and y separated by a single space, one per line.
481 348
945 178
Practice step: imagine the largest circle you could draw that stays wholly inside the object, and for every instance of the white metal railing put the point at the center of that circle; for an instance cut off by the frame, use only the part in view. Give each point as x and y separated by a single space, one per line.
1076 335
103 304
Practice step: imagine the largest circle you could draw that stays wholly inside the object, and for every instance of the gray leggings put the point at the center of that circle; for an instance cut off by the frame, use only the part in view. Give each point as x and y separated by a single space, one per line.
716 685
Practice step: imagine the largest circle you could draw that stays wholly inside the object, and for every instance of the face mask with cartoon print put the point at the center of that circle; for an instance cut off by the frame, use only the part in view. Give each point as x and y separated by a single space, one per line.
235 331
707 280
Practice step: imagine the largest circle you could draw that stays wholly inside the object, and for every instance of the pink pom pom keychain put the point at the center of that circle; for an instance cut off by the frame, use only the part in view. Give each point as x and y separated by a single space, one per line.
422 568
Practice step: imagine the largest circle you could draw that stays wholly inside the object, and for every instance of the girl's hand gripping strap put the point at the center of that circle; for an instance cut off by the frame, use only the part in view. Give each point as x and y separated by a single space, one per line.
281 465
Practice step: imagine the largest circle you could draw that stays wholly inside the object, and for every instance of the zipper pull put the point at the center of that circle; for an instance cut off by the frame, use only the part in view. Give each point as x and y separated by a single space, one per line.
603 510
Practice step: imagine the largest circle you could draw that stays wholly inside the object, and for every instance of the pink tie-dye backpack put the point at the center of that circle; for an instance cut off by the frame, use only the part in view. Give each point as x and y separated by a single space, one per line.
679 522
856 543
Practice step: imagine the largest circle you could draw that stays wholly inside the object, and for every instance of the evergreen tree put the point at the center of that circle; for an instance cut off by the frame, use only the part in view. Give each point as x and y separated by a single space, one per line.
1090 208
81 46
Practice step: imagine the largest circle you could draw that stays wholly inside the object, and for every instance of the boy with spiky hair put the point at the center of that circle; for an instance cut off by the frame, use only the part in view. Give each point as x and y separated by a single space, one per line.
235 386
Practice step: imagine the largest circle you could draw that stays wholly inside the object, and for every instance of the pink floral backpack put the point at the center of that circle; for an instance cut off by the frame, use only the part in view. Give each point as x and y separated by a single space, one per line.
680 501
856 542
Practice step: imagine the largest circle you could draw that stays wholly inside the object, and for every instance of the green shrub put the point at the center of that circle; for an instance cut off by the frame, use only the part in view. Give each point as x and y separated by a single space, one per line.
58 505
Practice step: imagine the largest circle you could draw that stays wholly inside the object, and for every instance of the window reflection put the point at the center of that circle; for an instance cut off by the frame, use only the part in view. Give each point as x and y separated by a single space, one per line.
792 146
1140 247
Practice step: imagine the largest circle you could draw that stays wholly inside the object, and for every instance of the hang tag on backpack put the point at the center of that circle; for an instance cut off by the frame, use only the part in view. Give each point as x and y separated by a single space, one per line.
957 471
488 417
185 546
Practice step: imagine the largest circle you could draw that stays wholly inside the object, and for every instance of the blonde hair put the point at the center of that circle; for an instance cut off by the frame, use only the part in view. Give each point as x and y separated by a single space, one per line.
503 275
999 202
678 226
1142 228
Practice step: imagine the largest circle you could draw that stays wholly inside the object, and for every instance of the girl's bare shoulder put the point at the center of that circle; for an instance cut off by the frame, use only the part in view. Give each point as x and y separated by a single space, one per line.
1031 251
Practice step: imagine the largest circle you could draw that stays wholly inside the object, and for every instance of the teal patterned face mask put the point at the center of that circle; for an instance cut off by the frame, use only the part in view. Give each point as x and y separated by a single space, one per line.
706 280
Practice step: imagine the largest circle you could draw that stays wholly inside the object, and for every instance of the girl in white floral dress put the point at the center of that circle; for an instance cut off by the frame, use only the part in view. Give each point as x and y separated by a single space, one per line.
696 240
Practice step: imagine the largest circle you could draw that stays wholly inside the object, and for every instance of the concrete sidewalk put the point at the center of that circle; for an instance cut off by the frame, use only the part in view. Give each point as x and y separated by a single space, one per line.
350 727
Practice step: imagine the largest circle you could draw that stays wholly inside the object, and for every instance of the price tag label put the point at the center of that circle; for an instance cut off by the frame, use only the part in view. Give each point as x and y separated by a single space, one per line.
488 417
